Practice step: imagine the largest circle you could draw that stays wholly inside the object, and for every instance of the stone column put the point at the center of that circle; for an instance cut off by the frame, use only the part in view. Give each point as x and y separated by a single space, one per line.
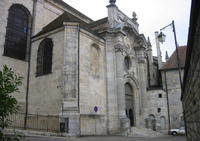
112 14
120 83
143 84
115 86
70 77
112 100
120 52
159 54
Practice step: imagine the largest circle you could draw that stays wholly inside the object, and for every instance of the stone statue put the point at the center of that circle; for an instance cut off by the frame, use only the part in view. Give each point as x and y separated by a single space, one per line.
134 16
112 1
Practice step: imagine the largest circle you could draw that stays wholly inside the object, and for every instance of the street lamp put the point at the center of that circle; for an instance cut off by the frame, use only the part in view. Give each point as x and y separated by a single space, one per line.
161 38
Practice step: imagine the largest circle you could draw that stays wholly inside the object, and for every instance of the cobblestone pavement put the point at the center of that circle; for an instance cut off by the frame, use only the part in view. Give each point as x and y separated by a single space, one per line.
106 138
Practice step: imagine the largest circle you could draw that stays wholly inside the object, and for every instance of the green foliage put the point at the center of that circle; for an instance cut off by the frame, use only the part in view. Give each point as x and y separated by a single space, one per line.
9 83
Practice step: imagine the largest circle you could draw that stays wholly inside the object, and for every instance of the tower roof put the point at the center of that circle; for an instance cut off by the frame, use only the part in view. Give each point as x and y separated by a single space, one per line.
172 61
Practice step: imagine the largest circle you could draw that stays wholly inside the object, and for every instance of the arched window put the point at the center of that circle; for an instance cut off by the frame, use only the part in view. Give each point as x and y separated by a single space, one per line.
127 62
17 32
94 58
129 101
162 122
152 122
128 89
44 57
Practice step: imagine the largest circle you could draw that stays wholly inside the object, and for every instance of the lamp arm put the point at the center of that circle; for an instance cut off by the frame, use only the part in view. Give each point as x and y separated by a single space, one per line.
171 24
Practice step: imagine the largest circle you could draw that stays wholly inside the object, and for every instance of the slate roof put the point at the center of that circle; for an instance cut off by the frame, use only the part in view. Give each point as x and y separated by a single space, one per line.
58 22
172 61
99 22
99 26
65 5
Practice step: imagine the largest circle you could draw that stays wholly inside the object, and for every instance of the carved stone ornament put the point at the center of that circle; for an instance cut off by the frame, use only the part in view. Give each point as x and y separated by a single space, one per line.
129 74
112 2
139 41
141 60
134 16
120 48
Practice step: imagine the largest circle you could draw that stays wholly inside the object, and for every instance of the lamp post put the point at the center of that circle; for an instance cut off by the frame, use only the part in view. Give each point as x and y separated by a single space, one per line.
161 38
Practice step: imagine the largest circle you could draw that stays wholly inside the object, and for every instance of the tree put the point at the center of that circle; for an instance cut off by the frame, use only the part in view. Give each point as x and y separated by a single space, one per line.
9 83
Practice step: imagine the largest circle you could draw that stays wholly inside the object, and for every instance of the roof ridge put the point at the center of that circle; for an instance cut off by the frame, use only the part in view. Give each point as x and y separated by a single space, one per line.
67 6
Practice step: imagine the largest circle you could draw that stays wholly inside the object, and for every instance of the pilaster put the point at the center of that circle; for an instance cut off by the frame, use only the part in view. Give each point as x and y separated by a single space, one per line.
112 99
70 80
142 81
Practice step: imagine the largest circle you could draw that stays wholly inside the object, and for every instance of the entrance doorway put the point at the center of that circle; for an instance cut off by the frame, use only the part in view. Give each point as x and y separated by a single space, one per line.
152 122
129 100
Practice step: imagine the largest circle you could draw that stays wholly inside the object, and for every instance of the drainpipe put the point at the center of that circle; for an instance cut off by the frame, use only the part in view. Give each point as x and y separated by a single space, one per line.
29 61
78 68
148 72
79 77
169 126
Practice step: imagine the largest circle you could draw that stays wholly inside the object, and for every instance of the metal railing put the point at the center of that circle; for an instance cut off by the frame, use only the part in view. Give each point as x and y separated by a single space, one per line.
36 122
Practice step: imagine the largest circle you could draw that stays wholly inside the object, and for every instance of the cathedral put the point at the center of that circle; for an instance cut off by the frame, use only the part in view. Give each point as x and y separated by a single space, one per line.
95 75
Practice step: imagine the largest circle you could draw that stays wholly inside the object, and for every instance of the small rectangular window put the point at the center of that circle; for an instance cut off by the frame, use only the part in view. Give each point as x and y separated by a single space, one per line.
160 95
159 110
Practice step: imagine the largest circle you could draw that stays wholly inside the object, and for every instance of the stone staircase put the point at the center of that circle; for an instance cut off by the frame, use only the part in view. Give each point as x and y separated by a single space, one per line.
143 132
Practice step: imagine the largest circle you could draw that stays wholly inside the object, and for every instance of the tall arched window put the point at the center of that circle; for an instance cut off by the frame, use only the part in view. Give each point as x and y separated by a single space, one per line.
17 32
94 58
129 101
127 62
44 57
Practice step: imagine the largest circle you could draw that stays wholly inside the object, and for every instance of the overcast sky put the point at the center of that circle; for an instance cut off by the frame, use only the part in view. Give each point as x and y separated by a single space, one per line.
152 15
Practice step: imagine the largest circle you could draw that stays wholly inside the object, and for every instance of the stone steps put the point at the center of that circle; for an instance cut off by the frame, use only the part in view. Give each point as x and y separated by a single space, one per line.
143 132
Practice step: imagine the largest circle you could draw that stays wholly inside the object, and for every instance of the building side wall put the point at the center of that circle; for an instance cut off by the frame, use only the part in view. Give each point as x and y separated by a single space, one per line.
10 62
191 95
45 13
92 85
155 102
45 95
174 94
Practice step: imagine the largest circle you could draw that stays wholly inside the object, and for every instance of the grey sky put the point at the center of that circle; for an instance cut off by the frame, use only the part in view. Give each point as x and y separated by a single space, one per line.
152 15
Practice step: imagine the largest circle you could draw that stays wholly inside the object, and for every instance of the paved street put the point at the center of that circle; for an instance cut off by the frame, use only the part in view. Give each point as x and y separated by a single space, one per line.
107 138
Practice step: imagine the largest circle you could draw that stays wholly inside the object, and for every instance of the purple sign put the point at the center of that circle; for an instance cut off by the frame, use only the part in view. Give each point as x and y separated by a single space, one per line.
95 108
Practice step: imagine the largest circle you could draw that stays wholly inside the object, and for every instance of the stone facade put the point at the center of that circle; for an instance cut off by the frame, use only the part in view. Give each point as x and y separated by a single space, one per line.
166 81
158 111
171 83
191 95
100 70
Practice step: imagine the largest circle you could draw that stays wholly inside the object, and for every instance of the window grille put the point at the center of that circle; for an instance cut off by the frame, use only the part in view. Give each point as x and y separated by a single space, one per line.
44 57
17 32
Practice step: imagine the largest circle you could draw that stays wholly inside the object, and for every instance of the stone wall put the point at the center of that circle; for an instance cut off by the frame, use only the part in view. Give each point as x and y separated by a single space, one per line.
45 13
10 62
157 99
92 85
172 82
45 94
191 93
